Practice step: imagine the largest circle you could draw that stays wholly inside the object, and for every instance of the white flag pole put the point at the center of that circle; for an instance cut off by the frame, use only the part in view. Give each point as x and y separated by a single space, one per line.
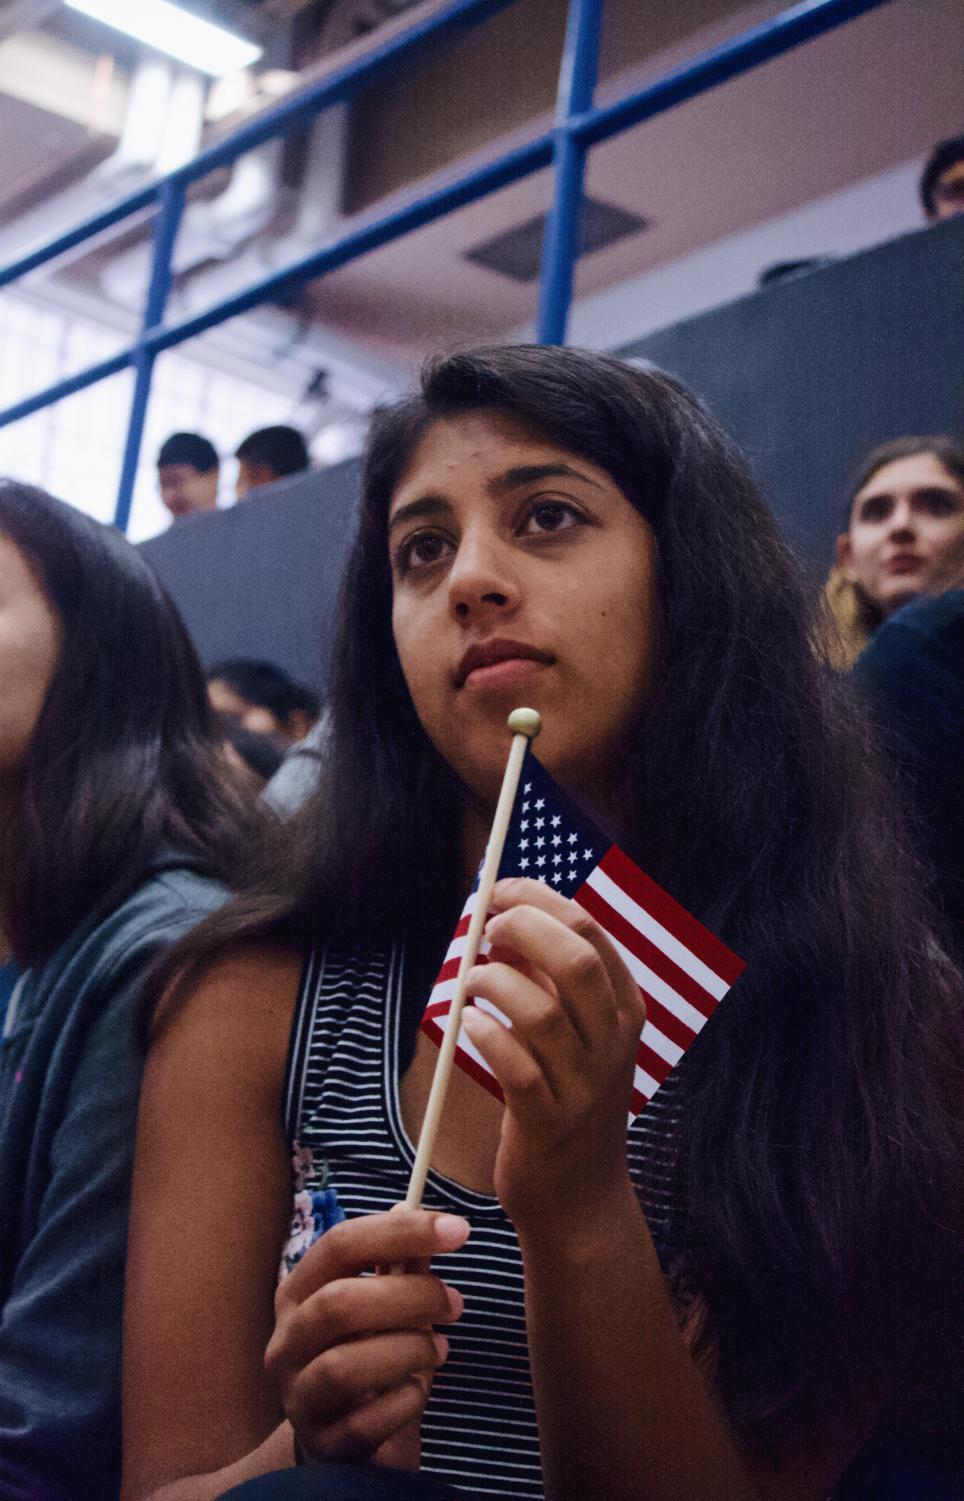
525 725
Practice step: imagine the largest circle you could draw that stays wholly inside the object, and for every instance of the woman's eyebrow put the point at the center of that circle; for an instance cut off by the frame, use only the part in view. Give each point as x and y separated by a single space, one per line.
432 506
531 474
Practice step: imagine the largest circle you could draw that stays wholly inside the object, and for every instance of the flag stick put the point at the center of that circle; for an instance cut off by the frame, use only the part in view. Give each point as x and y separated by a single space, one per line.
525 725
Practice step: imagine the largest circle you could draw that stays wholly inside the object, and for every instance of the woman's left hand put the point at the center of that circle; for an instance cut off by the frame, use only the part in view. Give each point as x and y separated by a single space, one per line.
566 1064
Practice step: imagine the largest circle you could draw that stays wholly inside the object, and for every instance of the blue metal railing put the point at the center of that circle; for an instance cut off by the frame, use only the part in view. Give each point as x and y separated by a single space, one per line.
578 127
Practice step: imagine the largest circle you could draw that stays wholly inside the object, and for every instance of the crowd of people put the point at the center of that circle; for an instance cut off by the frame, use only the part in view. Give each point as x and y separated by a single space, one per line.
189 467
213 1072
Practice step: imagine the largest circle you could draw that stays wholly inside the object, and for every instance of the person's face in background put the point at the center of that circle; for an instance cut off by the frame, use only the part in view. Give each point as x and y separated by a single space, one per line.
903 524
255 717
949 192
184 489
30 636
252 477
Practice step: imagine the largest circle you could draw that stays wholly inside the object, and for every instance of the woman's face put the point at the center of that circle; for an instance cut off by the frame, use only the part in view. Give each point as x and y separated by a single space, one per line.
29 647
521 576
903 523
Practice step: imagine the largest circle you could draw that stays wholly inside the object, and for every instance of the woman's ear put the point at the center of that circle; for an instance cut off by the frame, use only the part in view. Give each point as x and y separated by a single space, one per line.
842 550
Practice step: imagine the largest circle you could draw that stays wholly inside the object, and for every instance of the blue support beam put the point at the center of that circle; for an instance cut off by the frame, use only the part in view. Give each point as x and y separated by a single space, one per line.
578 127
166 225
434 205
384 58
51 250
760 44
560 251
69 386
388 57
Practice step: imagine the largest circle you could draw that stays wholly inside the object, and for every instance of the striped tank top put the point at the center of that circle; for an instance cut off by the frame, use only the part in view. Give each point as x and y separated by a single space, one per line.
353 1156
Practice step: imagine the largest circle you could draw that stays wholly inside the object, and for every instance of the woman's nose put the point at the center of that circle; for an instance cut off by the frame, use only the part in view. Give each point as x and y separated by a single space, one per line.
481 578
902 517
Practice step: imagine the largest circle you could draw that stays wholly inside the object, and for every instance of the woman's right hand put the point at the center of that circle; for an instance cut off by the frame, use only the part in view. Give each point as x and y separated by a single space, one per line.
353 1356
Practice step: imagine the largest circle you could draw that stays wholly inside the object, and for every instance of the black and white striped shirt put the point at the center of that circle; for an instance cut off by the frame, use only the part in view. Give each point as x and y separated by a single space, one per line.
342 1104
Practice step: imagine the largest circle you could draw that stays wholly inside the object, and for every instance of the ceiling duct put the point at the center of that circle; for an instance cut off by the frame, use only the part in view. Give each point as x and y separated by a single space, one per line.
517 252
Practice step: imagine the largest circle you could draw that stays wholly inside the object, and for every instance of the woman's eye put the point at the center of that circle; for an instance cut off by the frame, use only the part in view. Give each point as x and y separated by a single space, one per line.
940 502
551 516
876 509
420 550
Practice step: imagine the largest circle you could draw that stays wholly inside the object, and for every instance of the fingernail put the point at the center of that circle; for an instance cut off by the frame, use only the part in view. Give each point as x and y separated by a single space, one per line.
451 1231
442 1346
456 1301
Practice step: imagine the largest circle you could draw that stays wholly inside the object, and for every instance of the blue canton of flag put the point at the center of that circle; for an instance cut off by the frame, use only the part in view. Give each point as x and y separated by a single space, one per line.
681 968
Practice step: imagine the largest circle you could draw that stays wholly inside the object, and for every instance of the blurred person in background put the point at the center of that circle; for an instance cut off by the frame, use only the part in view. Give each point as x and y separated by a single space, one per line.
300 770
118 832
267 455
188 470
905 514
942 181
254 758
263 698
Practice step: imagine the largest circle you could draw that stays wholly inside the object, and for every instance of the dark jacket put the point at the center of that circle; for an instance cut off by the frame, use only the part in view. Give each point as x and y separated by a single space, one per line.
913 674
70 1073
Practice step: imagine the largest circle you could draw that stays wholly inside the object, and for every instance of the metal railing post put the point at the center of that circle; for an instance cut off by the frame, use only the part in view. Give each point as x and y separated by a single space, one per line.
577 83
578 128
166 224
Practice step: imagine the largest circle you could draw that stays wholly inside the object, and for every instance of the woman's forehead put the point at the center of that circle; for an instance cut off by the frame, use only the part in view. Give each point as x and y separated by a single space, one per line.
915 470
476 442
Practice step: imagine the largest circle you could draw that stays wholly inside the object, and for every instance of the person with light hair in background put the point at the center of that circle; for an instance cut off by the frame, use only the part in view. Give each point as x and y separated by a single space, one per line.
905 513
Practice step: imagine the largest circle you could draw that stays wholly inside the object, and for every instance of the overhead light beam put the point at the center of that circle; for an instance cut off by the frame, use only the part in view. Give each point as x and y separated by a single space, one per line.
159 23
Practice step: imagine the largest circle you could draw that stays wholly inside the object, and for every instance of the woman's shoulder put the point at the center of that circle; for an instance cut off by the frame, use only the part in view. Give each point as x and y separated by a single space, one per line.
232 1015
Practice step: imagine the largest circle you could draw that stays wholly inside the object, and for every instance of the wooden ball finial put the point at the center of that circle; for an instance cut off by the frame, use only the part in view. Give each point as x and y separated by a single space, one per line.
525 722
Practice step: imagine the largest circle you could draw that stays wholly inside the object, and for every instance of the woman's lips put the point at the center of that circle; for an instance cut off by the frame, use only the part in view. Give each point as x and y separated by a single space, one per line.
905 563
504 673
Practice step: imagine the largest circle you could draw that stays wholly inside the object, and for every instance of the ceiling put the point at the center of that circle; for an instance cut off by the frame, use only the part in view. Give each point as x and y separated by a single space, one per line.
862 100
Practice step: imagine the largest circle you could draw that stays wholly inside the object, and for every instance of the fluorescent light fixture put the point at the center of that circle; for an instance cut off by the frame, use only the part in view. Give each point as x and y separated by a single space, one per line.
170 29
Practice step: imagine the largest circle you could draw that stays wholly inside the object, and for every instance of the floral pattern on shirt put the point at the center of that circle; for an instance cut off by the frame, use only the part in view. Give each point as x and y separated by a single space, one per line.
314 1209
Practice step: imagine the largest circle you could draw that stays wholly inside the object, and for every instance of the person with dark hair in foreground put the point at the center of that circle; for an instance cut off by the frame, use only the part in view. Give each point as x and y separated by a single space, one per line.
942 181
188 470
263 698
267 455
729 1300
118 827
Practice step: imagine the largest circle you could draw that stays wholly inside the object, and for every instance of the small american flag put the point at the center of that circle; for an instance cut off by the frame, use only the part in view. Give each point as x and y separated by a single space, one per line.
681 968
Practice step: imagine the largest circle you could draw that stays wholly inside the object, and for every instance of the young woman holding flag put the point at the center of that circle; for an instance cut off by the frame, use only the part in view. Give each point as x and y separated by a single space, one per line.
735 1297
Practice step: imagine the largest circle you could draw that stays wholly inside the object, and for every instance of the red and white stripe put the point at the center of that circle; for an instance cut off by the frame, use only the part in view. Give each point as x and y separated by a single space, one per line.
682 969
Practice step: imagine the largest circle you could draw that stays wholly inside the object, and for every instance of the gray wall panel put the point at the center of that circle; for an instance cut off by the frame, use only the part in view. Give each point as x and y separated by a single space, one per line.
261 579
810 374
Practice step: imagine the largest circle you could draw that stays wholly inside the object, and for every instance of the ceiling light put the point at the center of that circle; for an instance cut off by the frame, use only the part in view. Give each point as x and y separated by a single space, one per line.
170 29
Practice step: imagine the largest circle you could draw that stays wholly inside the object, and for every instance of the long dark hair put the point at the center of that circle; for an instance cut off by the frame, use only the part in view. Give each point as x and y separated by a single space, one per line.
819 1147
122 762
